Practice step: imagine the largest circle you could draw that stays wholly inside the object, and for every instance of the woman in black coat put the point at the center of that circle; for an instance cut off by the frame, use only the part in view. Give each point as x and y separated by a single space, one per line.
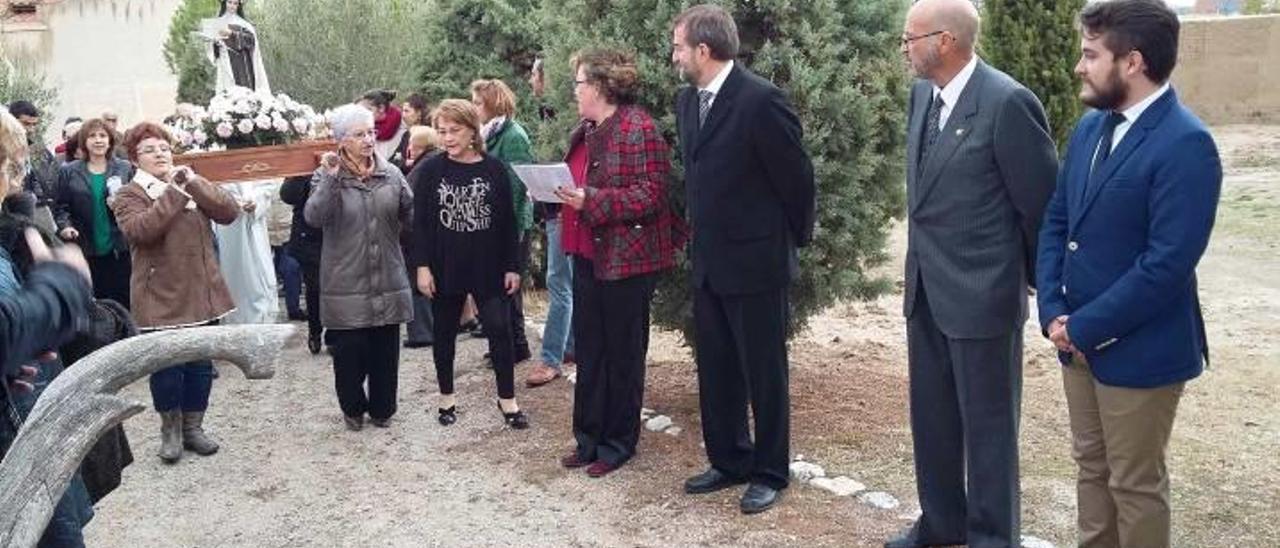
82 193
304 246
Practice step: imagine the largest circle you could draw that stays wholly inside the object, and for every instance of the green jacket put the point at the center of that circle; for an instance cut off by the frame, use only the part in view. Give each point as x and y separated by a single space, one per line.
511 145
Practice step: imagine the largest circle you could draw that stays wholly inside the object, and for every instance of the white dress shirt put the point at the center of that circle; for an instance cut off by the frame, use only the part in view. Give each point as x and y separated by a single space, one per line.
951 93
717 83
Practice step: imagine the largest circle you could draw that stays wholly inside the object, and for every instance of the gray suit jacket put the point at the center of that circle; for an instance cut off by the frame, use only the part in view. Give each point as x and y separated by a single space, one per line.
974 205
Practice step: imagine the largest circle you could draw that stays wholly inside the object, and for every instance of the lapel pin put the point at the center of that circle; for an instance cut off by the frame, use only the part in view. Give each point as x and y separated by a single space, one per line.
959 132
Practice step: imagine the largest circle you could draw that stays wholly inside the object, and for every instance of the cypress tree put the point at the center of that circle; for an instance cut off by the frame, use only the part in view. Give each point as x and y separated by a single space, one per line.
1036 43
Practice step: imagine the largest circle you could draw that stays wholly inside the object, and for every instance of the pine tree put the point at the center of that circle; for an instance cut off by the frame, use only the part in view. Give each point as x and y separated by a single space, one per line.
837 61
1036 43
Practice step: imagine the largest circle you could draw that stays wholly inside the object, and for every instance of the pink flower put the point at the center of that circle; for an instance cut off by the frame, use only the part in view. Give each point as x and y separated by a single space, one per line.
200 137
224 130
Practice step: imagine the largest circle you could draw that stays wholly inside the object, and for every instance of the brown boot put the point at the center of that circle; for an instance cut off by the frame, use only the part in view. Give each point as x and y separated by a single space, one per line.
193 436
170 436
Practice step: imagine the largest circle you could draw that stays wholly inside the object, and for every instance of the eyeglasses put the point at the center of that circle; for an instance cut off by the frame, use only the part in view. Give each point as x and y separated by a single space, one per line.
909 39
162 149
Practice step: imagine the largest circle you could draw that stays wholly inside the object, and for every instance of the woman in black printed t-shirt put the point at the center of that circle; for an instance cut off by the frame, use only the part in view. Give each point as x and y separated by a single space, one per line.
465 241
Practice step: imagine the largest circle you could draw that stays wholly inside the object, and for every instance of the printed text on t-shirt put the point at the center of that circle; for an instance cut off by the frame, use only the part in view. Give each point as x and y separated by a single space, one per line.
465 208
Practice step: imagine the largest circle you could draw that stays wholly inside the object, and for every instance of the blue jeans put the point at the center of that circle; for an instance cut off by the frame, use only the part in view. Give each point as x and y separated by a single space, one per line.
182 387
557 338
289 272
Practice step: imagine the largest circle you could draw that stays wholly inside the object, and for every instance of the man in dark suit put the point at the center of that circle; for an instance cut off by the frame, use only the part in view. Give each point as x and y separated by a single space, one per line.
1129 221
980 168
751 202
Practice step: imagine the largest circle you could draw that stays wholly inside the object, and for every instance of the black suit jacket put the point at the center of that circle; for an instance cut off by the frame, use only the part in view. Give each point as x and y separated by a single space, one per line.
749 180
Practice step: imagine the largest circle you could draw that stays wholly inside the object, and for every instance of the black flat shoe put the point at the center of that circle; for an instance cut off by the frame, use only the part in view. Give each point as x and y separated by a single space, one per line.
380 423
758 498
448 416
710 481
417 344
517 420
313 344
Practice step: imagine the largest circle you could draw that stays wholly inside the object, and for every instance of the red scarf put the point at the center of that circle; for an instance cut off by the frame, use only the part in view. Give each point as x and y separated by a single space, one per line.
389 125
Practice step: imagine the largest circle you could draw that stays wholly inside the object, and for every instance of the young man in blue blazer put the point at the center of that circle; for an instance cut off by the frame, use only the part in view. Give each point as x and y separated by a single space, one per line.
1127 224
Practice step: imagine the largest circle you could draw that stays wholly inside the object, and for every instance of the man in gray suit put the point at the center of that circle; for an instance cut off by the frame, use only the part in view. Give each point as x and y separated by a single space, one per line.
980 169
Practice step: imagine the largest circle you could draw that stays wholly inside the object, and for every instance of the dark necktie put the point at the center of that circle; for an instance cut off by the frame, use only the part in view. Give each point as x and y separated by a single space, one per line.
1108 132
704 106
932 129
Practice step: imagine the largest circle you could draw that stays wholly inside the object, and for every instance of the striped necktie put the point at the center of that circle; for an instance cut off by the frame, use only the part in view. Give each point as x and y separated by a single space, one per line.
704 106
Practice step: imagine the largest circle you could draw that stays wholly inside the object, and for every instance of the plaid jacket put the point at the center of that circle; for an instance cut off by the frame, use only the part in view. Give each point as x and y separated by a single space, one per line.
633 227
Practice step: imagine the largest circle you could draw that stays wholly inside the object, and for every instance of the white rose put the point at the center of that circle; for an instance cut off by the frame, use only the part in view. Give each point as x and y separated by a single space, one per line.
245 126
280 125
200 137
263 121
224 130
300 125
183 137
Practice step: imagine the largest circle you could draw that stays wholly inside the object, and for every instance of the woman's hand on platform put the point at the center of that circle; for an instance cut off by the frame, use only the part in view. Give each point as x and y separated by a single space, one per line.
511 282
179 176
426 283
329 162
69 234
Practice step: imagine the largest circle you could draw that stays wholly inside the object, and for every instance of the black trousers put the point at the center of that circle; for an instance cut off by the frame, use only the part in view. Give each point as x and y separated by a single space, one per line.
369 354
110 274
611 338
965 398
742 360
311 292
516 301
495 315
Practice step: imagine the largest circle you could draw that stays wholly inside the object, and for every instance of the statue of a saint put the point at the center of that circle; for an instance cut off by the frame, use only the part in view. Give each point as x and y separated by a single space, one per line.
234 49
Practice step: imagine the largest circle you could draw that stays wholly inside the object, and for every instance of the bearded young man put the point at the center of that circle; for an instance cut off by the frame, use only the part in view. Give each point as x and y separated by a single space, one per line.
1129 221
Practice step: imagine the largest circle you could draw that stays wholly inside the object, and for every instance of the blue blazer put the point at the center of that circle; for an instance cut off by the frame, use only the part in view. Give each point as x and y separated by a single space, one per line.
1118 251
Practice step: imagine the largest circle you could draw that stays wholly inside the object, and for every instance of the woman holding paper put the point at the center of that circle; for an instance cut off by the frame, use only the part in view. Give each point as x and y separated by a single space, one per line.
620 231
464 237
165 216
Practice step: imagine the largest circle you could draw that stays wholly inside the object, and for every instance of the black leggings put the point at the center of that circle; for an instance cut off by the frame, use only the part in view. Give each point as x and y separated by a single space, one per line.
495 314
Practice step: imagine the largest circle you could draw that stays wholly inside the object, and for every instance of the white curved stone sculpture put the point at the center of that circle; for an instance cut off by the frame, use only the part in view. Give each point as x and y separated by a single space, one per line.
81 404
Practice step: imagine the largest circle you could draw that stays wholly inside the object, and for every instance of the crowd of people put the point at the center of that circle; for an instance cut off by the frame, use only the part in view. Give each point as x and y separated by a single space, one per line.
418 218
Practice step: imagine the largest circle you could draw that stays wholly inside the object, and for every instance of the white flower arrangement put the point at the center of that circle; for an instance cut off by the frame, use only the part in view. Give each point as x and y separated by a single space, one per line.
240 118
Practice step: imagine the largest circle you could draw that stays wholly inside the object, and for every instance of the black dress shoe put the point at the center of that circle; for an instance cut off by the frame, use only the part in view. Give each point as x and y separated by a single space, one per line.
911 538
710 481
517 420
759 497
417 344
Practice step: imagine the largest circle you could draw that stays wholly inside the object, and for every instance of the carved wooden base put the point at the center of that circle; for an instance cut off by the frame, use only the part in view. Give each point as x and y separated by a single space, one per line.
252 164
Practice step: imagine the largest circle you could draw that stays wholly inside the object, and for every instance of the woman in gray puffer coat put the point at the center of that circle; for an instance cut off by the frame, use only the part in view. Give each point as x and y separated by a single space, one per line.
361 202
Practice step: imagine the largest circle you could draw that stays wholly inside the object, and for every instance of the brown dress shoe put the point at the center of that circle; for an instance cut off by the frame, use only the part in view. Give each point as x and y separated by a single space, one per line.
572 460
541 374
600 469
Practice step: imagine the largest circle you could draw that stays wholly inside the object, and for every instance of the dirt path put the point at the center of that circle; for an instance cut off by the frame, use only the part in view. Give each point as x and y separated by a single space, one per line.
289 475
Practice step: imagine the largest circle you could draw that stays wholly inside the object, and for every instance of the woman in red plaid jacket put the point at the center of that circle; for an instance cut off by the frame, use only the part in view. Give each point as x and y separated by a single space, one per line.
620 231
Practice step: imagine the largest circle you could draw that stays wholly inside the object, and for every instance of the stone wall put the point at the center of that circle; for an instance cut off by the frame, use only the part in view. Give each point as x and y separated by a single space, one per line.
1229 68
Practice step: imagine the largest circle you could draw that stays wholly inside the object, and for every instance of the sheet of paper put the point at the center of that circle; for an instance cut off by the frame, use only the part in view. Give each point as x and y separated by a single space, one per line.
543 179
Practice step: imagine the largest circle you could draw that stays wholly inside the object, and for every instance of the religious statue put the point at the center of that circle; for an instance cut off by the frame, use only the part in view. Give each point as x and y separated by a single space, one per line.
234 49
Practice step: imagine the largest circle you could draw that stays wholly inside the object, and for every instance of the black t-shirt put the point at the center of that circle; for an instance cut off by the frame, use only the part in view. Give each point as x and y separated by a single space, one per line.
464 224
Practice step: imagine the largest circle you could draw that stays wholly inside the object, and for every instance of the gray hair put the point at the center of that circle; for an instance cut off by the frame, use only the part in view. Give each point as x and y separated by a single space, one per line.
344 118
711 25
